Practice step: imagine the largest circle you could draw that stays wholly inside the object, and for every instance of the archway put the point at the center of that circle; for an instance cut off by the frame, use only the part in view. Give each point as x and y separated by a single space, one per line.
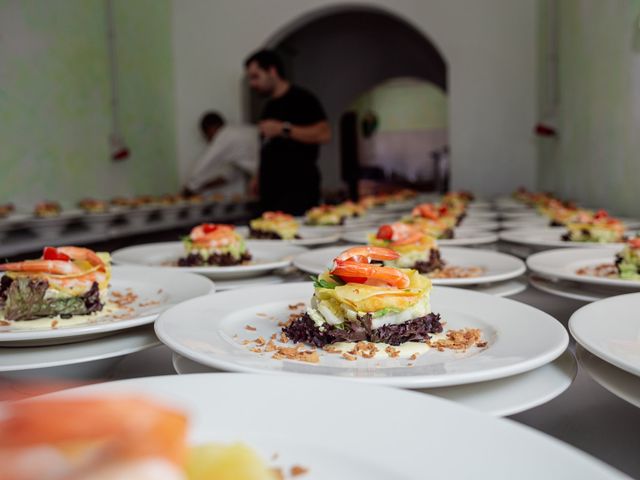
340 53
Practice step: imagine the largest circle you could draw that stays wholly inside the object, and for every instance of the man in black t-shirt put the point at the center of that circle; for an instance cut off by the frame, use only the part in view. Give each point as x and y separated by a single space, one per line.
292 127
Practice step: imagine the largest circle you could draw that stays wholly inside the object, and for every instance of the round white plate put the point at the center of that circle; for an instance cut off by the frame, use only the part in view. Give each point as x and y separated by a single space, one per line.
549 237
155 293
266 413
572 290
622 384
463 236
520 338
268 255
232 284
521 215
498 266
45 357
506 288
563 264
309 237
503 397
610 329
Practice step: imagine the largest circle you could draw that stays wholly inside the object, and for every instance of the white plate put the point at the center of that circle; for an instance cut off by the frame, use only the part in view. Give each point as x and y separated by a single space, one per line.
463 236
572 290
549 237
520 215
506 396
267 256
479 224
45 357
563 264
622 384
506 288
498 266
155 293
309 237
520 338
268 413
232 284
482 215
610 329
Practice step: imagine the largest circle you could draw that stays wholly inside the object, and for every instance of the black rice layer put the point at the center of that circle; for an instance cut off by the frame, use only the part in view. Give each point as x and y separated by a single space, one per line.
435 262
221 260
303 329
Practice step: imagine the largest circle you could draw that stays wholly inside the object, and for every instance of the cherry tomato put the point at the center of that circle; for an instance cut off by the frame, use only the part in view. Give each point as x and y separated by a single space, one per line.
51 253
385 232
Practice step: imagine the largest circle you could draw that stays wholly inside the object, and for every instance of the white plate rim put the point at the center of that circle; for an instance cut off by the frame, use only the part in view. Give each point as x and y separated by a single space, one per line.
582 337
538 263
520 236
472 237
111 346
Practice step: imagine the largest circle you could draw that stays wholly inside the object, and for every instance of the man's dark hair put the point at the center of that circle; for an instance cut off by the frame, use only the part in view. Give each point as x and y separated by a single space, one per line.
211 120
265 60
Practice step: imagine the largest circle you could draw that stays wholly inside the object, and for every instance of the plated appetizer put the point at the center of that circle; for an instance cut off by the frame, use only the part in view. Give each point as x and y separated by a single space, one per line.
274 225
123 202
350 209
6 210
360 301
628 260
416 249
115 437
433 220
324 215
601 228
214 244
47 209
64 282
626 264
91 205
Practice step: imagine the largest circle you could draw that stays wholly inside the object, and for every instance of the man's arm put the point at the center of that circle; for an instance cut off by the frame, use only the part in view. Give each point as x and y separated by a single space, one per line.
316 133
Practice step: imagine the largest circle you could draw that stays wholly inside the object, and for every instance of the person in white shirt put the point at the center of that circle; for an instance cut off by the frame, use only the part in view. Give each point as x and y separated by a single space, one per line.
230 160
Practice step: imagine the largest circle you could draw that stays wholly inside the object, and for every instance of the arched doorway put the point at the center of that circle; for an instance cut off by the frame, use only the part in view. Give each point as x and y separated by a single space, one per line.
339 54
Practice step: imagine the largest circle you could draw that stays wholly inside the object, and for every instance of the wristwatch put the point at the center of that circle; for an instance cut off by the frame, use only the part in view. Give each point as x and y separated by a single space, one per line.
286 129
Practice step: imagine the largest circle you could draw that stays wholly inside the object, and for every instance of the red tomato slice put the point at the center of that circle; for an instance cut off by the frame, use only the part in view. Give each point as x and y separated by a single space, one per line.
385 232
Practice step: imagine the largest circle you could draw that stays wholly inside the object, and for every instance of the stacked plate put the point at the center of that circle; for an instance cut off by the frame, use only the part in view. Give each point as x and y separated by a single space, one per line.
88 345
586 274
523 363
608 332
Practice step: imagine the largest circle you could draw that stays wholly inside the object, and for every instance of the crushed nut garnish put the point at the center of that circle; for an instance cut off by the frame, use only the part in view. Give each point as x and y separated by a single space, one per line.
250 328
459 340
296 306
5 323
283 337
457 272
297 470
413 357
392 352
54 323
349 357
331 349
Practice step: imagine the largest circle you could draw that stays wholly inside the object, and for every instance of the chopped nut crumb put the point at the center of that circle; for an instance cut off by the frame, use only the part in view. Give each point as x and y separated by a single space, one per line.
54 323
349 357
277 472
297 470
250 328
413 357
459 340
392 352
331 349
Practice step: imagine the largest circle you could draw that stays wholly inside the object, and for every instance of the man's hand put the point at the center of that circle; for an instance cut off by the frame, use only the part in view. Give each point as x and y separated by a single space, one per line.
270 128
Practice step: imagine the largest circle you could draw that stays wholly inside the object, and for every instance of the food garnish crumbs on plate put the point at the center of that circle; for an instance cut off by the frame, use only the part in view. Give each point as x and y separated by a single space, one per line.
250 328
297 470
296 306
459 340
349 357
54 323
392 352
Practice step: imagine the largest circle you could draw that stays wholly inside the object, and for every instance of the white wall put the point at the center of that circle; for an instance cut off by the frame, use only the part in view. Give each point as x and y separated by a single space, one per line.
489 47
